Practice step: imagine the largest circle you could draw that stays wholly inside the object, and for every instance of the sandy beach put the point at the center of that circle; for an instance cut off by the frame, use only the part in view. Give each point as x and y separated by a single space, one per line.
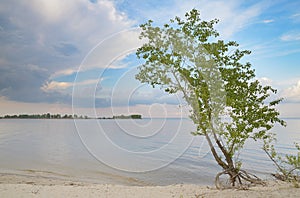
12 185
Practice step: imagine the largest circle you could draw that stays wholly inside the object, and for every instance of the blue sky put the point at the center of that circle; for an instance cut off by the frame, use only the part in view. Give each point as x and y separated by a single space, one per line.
46 44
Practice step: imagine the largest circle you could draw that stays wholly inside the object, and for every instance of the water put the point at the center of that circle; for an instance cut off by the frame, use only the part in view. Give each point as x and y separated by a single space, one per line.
131 152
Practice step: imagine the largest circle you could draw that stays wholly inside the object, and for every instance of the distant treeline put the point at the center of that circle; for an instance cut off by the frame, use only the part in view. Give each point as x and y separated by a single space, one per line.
66 116
134 116
44 116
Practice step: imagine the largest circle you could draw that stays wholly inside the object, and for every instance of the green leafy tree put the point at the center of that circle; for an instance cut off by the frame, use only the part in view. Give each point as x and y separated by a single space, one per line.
228 105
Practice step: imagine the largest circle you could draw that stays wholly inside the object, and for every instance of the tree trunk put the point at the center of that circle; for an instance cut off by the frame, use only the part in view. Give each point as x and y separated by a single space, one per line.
215 154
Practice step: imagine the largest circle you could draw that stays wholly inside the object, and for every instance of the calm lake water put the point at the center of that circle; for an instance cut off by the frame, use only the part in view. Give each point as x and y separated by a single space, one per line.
132 152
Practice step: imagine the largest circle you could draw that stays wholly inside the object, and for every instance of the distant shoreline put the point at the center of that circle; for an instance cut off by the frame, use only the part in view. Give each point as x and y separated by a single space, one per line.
66 116
103 118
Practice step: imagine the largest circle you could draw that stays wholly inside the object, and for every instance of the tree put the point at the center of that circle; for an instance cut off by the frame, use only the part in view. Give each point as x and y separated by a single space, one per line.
228 105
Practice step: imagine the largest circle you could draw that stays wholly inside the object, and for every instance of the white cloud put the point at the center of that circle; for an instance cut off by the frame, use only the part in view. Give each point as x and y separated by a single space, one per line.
292 94
268 21
65 72
296 15
89 82
294 36
289 110
54 86
265 80
112 49
32 67
53 10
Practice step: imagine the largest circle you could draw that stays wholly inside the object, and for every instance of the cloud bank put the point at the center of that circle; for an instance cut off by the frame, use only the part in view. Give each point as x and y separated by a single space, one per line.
41 39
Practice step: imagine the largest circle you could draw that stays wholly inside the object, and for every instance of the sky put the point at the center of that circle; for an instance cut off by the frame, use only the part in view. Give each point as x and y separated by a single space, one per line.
77 56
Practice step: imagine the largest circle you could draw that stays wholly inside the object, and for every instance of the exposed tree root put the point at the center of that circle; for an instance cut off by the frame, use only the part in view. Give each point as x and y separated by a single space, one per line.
237 179
287 177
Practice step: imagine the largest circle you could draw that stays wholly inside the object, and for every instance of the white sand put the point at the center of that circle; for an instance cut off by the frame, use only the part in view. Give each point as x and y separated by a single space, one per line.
22 186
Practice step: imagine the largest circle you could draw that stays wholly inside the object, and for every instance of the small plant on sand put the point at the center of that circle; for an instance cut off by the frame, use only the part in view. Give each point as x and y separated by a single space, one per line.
288 166
227 104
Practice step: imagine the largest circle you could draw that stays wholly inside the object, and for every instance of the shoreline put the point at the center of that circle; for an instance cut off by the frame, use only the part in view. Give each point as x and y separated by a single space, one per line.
13 185
40 177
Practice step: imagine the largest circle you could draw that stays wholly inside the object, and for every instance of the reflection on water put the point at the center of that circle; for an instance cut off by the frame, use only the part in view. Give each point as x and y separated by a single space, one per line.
54 148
